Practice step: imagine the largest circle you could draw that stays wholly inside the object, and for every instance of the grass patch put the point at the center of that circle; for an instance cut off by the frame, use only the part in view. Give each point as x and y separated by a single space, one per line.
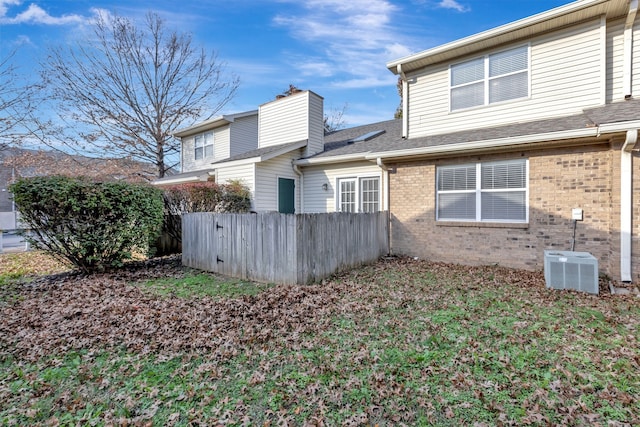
406 343
198 284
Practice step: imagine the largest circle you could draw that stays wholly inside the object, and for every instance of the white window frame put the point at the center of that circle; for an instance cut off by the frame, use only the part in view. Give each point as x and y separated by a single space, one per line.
206 145
357 180
487 79
478 191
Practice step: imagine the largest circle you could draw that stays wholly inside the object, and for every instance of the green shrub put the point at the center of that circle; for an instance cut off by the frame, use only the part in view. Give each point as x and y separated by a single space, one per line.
93 225
233 197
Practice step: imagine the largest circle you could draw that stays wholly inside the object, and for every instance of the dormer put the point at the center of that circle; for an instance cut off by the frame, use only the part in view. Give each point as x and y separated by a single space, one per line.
293 118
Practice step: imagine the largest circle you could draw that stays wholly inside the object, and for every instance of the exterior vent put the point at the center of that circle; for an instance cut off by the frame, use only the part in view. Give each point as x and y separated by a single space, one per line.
365 137
571 270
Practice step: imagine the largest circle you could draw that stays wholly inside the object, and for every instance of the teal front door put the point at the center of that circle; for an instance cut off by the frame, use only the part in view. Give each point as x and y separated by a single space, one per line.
286 195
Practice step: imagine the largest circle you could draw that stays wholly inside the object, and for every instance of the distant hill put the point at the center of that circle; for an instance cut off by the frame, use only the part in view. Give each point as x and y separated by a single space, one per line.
18 162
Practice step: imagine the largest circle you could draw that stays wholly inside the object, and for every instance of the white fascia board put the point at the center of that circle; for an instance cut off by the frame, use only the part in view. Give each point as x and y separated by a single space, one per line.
332 159
488 144
494 32
176 181
233 117
213 123
240 162
183 180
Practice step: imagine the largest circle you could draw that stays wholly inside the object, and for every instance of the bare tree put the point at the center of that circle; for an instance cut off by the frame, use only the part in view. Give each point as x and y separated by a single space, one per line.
129 89
398 113
15 104
334 119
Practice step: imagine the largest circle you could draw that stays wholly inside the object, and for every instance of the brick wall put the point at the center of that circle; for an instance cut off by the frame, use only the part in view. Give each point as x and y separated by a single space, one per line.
559 180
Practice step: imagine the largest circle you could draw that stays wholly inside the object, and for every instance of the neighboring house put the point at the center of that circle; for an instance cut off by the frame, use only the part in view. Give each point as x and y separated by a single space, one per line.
256 148
502 134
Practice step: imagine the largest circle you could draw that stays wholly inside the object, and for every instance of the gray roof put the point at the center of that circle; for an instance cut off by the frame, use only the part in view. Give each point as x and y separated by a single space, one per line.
260 152
340 143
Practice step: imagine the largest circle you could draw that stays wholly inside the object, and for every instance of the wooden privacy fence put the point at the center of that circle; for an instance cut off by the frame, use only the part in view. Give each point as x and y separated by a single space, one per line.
280 248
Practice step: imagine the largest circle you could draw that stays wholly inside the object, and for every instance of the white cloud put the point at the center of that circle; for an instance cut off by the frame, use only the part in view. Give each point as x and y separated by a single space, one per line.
23 40
353 39
4 6
315 68
34 14
453 4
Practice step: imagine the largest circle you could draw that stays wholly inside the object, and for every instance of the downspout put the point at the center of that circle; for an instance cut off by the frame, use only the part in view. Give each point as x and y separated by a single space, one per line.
628 50
384 167
405 101
298 172
626 207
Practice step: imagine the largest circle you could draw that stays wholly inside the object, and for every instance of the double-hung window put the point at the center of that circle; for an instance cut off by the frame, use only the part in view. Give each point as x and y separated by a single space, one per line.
204 145
492 78
490 192
359 194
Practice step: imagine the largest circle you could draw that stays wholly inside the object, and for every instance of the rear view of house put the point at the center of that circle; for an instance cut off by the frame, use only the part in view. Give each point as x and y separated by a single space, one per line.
506 131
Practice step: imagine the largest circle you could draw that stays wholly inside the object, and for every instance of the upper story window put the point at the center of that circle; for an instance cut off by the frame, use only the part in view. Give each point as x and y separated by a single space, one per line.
204 145
493 78
359 194
492 192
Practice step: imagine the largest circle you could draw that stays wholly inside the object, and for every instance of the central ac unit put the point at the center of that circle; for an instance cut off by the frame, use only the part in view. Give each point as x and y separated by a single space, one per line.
571 270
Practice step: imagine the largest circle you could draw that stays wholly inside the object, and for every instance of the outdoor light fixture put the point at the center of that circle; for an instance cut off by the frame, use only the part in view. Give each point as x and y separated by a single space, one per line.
325 186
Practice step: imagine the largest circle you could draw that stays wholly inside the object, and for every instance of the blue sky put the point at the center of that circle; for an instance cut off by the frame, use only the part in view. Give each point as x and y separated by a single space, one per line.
337 48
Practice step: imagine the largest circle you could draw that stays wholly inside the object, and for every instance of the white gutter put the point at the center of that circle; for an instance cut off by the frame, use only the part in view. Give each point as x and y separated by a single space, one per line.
589 132
184 180
332 159
626 198
628 50
490 143
298 172
619 127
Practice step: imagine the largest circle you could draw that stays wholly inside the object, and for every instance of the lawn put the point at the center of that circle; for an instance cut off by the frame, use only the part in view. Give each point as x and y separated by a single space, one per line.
401 342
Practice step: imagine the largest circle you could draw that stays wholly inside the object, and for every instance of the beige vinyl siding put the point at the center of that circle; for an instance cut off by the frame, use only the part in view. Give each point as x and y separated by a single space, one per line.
243 173
267 174
316 125
220 150
565 78
317 200
221 142
615 43
244 134
284 120
188 154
